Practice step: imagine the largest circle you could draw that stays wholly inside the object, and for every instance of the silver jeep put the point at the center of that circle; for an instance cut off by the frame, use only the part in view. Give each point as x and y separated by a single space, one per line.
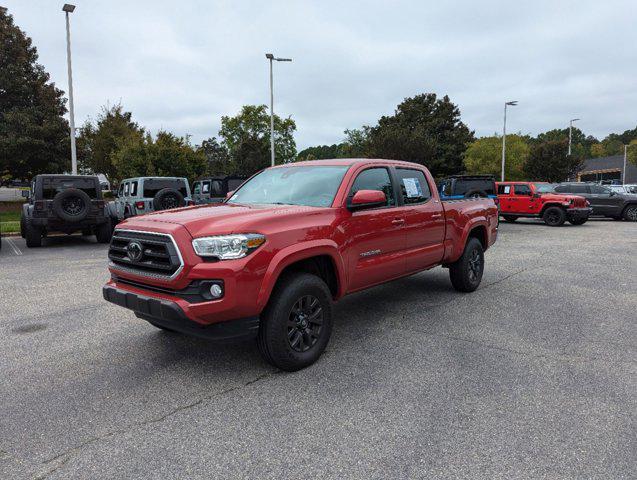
137 196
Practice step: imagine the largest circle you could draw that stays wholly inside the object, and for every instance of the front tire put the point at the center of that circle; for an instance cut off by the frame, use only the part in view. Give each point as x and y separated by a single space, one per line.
466 272
104 232
297 323
554 216
630 213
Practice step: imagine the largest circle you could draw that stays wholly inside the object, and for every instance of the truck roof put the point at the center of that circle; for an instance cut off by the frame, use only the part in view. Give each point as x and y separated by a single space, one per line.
348 161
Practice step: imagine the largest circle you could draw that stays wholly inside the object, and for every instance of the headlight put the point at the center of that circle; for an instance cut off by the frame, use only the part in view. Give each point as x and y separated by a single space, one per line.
227 247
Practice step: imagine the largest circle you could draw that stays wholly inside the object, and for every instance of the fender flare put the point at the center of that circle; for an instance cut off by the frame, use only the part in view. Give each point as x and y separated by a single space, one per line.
564 205
471 224
296 253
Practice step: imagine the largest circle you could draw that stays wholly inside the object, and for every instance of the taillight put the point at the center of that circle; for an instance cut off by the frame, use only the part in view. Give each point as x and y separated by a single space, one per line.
39 205
139 205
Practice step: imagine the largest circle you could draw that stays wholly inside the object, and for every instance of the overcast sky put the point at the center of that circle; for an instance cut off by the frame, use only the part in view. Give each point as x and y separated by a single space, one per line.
181 65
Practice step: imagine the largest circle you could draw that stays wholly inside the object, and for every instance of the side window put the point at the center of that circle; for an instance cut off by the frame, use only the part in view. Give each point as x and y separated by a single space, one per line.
126 187
120 191
413 185
522 190
599 190
205 187
375 179
217 188
504 189
196 188
133 189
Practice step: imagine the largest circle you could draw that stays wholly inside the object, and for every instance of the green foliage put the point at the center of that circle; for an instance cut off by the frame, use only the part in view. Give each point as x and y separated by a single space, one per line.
549 161
217 157
321 152
484 156
34 136
631 152
97 143
246 138
425 130
580 143
166 155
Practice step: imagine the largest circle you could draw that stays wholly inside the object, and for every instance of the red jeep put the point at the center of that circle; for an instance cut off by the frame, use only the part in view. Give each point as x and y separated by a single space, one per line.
271 259
538 200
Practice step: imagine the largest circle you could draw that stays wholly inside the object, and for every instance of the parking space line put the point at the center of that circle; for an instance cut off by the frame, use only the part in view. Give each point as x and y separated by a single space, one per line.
13 246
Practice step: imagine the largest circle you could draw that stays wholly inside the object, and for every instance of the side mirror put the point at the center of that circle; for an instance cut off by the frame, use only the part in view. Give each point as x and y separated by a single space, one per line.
367 199
26 193
229 194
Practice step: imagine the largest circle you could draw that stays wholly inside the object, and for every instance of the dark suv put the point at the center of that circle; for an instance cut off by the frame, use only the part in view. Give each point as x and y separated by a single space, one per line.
215 189
604 201
67 204
456 187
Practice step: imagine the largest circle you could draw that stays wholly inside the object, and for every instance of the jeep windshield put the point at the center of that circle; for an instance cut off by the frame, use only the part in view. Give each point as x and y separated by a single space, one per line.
311 186
544 188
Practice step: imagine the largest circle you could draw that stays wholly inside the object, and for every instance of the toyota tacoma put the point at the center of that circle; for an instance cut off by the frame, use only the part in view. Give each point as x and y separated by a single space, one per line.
271 260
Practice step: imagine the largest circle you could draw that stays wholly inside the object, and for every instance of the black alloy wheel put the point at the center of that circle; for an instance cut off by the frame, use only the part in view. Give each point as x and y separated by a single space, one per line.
475 265
630 213
304 323
73 206
554 216
169 201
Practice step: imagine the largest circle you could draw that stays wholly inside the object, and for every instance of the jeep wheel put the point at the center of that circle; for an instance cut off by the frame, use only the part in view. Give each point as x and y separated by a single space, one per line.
554 216
33 236
630 213
72 205
466 272
168 198
510 218
476 194
23 228
104 232
297 323
578 221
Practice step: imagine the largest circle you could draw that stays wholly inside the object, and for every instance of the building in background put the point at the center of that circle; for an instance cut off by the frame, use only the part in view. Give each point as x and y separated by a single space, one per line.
607 168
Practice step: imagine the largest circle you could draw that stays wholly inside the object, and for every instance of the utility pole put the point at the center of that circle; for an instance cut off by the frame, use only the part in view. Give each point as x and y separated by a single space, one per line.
624 171
570 134
67 8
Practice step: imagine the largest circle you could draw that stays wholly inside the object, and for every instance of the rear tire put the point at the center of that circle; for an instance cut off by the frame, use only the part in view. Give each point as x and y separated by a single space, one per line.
630 213
466 272
297 323
510 218
33 236
104 232
23 227
554 216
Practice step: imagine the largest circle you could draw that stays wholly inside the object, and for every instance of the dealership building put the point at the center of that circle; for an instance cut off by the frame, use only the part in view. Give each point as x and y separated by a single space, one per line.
607 168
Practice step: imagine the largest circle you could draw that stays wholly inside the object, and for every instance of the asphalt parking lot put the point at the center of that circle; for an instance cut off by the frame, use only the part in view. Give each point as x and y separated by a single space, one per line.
532 376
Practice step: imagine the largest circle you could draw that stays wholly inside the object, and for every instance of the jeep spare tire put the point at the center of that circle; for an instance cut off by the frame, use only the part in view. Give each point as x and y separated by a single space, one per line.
72 205
476 194
168 198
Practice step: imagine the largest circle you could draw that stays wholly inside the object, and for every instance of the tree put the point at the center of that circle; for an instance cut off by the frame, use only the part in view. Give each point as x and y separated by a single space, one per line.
631 152
425 130
246 137
549 161
34 136
580 143
167 155
321 152
98 143
484 156
357 142
219 162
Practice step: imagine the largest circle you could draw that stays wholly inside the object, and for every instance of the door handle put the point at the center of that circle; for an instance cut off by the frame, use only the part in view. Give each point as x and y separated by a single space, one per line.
398 221
437 215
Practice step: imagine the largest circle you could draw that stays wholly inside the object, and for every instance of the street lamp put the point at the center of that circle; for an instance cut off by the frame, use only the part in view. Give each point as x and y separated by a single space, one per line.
67 8
570 136
512 103
272 58
624 170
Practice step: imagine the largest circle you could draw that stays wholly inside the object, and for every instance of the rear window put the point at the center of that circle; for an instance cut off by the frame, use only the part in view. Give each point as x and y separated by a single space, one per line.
571 188
413 185
463 186
153 185
52 186
504 189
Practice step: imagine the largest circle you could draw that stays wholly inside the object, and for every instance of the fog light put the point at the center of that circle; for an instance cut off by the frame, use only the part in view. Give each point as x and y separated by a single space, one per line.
216 291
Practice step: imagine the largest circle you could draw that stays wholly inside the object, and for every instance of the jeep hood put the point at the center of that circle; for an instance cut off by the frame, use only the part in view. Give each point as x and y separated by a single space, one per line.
220 219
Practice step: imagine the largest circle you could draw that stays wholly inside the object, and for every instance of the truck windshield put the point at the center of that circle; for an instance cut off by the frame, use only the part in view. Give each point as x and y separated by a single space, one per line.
312 186
544 188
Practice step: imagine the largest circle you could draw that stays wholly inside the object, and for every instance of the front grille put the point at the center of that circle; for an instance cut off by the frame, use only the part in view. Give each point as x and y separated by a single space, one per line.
158 256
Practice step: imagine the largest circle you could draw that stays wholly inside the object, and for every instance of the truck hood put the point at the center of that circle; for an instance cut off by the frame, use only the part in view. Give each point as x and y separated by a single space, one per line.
564 197
220 219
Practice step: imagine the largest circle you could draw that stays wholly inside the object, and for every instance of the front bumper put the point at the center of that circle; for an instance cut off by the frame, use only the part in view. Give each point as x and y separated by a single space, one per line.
170 314
577 213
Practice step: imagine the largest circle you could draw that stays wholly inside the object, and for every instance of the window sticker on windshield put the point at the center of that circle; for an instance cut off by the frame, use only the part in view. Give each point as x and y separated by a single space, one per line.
412 187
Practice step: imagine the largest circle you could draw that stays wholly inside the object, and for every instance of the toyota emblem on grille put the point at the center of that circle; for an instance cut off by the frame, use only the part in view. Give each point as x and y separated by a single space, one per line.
134 251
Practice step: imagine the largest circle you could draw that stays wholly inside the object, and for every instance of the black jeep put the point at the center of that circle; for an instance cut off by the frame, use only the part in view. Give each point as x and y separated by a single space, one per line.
67 204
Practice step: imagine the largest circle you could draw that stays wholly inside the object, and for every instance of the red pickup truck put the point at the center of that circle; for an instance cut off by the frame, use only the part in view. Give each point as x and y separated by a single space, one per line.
539 200
271 259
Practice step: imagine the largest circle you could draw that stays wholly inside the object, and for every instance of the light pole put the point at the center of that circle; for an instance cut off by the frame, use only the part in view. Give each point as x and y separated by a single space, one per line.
624 171
512 103
570 135
67 8
272 58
